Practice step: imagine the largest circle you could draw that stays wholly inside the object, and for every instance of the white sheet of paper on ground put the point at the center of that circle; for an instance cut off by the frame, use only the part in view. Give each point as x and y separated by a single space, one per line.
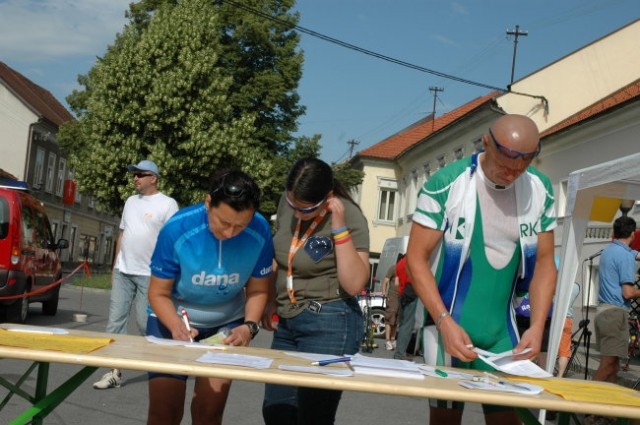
254 362
37 330
505 362
318 369
165 341
489 385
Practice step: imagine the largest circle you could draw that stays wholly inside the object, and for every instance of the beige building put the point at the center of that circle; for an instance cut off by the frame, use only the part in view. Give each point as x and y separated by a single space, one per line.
29 120
580 112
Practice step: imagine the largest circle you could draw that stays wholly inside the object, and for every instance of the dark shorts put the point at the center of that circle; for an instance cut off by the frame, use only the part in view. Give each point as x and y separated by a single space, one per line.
391 311
157 329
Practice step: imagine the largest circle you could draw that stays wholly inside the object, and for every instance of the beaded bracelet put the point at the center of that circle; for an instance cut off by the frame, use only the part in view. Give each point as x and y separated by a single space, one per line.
341 235
338 230
341 241
440 318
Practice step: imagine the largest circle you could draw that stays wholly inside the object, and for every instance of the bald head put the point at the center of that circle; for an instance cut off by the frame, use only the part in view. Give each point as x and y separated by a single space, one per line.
516 132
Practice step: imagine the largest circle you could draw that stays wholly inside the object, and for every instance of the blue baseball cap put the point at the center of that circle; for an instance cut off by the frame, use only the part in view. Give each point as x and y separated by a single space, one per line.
145 165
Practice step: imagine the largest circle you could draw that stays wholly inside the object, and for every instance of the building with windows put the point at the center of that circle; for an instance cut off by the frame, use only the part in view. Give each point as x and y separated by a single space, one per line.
29 121
557 97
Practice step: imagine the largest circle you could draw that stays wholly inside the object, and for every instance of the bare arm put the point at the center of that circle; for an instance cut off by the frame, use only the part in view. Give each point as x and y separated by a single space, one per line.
541 290
422 242
270 308
630 291
257 293
353 266
162 305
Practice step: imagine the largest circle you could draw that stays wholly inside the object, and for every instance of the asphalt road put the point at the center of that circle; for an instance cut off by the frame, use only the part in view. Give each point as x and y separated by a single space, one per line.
128 404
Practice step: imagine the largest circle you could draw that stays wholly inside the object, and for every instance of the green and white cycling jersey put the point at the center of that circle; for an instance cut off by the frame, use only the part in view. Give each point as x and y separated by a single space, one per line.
477 294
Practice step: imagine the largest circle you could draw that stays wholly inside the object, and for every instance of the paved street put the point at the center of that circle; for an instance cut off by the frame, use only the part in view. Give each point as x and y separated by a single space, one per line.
128 404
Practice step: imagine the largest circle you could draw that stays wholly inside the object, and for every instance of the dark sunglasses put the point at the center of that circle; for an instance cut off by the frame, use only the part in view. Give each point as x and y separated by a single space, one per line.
230 190
513 154
142 175
308 210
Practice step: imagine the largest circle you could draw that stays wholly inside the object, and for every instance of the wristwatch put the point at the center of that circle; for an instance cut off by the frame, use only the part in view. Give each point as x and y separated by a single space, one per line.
253 328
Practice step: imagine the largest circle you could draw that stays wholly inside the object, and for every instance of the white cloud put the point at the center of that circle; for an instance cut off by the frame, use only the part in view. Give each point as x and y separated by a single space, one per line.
459 8
39 29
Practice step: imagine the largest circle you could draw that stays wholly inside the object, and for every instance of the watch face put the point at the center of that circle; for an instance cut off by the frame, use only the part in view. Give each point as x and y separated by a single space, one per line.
253 327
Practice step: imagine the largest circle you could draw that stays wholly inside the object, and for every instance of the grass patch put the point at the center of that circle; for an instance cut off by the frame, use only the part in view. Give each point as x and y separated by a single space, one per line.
97 280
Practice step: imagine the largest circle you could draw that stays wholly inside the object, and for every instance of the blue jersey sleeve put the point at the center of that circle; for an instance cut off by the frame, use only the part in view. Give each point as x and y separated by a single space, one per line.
264 265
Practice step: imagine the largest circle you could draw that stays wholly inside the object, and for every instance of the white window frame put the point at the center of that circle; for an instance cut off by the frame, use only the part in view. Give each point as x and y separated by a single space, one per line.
51 169
38 171
387 189
62 169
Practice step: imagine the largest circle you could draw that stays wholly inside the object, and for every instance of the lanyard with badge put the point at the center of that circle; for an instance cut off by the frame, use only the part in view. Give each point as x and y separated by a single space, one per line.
295 245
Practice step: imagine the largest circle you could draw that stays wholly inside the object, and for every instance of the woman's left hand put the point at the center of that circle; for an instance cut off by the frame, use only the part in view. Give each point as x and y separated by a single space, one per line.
240 336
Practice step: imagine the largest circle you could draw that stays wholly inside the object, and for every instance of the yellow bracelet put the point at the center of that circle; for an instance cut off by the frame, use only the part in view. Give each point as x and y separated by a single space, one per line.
341 235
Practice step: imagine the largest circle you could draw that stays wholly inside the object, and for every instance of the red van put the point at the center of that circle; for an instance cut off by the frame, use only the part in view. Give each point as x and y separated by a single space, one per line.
28 257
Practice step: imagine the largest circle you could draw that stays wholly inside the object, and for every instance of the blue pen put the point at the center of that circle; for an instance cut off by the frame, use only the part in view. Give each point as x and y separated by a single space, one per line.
331 361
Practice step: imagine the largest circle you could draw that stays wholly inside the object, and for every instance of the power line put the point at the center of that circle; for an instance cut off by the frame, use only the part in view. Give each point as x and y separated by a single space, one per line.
372 53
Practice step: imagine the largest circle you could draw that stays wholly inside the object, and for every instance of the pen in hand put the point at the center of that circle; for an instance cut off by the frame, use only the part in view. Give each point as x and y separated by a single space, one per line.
185 319
331 361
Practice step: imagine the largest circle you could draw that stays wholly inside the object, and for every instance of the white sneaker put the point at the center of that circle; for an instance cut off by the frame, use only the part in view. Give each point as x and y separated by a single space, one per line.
111 379
388 345
394 344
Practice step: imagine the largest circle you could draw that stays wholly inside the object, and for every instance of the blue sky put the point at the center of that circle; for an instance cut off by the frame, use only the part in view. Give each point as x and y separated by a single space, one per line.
348 95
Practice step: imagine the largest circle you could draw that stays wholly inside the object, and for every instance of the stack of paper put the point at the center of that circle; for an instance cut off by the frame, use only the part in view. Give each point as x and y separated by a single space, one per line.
506 362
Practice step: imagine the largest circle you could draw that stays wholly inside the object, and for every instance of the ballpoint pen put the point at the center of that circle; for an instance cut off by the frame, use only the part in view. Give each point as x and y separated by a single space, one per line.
185 319
331 361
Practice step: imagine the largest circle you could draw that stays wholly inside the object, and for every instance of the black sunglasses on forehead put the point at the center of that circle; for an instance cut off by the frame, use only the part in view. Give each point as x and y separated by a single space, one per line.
231 190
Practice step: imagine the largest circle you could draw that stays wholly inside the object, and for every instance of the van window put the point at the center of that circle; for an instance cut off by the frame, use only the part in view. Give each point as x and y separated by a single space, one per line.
28 227
4 218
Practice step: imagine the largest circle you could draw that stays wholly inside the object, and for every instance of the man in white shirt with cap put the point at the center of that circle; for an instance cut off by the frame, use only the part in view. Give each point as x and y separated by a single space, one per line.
143 216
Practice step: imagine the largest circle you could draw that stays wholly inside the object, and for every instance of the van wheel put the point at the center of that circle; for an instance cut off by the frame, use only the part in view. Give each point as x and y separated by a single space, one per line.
18 311
50 307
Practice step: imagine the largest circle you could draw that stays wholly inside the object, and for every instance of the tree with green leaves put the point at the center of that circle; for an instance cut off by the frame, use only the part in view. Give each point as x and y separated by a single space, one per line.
196 86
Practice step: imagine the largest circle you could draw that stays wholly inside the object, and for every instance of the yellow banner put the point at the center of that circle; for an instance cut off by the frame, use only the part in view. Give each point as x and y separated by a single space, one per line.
64 343
604 209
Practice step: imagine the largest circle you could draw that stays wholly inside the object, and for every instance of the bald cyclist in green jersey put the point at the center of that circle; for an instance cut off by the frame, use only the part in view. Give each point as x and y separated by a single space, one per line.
494 215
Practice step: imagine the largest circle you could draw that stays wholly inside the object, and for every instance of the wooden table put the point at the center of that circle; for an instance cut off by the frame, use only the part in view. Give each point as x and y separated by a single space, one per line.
134 352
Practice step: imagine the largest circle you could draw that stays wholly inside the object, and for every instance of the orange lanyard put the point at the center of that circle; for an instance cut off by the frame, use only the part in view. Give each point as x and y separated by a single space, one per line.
295 246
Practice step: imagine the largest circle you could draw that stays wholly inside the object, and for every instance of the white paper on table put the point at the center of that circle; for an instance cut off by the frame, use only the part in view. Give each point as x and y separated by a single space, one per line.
519 388
254 362
314 357
318 369
431 371
505 362
165 341
385 367
37 330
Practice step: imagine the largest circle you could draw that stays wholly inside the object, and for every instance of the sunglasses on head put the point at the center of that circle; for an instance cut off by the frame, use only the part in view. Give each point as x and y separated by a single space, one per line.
142 175
307 210
513 154
230 190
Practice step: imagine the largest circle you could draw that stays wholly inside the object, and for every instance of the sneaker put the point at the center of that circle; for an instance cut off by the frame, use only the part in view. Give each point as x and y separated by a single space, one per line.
111 379
388 345
394 344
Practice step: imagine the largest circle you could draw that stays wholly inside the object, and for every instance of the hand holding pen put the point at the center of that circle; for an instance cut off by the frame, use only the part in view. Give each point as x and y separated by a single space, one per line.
185 320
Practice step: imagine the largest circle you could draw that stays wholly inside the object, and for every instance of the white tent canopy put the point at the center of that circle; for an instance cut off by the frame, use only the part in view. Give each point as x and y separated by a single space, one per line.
619 178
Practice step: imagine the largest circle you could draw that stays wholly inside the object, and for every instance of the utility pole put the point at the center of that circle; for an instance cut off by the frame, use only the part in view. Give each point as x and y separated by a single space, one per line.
352 144
435 91
515 34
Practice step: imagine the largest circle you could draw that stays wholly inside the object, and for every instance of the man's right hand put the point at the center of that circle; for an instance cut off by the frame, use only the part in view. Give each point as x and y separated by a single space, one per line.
456 341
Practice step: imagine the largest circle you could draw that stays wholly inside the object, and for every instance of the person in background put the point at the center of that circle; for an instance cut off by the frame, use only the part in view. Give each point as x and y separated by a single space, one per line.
322 256
408 301
214 261
617 274
564 351
390 287
482 228
143 216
